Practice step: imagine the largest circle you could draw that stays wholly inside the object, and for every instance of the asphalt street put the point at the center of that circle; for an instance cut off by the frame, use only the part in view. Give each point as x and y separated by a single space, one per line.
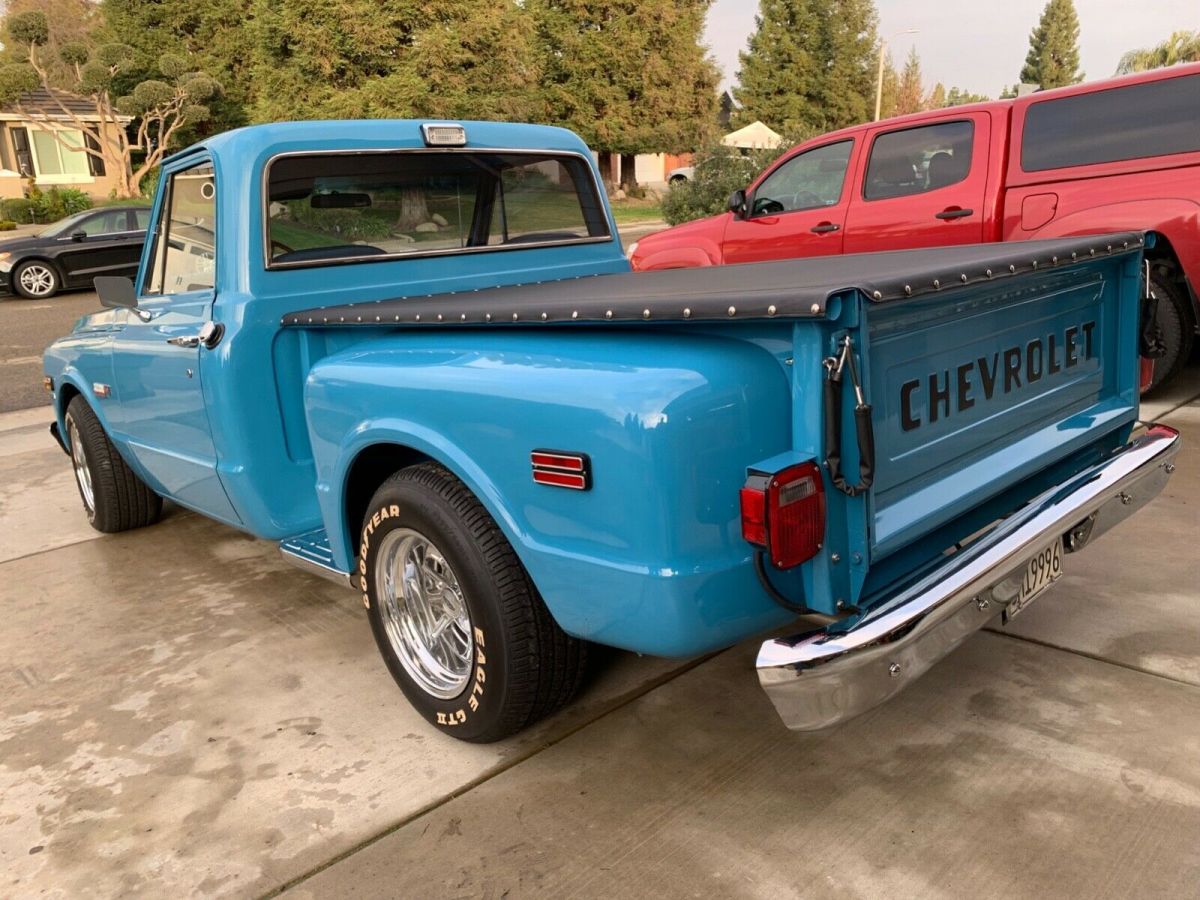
26 327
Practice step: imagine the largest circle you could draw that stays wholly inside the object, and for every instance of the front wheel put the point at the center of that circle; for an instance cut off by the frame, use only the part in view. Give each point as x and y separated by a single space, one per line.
113 496
454 614
35 280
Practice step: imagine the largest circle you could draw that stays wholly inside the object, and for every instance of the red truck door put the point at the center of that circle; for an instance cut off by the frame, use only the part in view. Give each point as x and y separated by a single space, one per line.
921 186
798 209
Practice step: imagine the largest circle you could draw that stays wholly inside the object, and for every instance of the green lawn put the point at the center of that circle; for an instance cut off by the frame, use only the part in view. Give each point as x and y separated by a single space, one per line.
624 214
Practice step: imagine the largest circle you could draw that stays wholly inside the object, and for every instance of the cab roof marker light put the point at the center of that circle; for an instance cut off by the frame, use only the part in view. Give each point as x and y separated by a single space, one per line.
444 134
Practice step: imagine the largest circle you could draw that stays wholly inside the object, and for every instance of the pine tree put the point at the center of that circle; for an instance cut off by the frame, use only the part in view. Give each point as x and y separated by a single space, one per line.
809 65
629 77
937 97
393 58
1053 59
910 94
890 87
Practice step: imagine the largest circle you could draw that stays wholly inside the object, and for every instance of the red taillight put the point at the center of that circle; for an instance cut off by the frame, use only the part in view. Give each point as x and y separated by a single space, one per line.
784 514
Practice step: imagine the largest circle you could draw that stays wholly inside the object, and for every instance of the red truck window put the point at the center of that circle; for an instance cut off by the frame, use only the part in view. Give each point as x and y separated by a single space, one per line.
809 180
1155 118
917 160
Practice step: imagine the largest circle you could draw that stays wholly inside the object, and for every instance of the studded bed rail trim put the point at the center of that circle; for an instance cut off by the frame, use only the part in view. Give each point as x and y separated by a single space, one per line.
798 288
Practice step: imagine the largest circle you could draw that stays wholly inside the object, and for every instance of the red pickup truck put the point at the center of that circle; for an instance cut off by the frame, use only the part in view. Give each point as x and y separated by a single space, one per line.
1122 154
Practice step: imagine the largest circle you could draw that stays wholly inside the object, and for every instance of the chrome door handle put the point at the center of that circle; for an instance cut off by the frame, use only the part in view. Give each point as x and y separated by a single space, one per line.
210 335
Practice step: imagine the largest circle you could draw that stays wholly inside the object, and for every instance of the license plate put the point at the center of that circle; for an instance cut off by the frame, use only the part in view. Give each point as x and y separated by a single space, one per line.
1043 570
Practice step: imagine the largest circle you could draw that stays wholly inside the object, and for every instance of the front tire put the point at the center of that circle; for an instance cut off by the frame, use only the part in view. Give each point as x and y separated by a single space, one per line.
1176 321
35 280
454 614
114 498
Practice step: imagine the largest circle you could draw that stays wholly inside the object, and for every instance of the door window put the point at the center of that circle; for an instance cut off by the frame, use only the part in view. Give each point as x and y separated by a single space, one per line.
185 245
811 180
112 222
919 160
141 219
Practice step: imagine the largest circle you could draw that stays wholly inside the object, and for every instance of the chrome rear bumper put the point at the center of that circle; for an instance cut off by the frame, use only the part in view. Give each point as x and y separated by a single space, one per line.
820 678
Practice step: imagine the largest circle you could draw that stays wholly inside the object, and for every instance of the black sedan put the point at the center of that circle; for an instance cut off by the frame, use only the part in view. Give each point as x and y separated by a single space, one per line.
74 250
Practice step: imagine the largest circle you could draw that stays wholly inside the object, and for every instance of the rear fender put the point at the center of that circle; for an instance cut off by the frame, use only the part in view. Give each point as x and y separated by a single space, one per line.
651 558
1176 220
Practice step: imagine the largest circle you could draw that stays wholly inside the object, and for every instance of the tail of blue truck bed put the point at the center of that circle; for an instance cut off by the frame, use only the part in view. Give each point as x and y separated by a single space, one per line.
943 404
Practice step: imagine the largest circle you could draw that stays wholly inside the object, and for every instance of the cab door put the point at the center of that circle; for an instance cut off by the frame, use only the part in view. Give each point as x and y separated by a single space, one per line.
798 209
157 352
922 186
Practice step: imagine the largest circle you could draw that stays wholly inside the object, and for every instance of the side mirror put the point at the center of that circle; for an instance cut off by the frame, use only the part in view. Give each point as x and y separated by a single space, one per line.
737 203
78 235
116 292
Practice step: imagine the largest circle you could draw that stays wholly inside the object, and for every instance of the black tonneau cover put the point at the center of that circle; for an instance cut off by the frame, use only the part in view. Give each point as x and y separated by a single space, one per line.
795 288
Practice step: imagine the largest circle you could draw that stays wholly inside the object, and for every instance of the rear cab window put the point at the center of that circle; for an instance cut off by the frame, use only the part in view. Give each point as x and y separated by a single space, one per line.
325 208
918 160
1137 121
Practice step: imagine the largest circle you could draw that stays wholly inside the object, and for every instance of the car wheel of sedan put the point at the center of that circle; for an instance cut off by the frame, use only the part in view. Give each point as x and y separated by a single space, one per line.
114 498
35 279
1178 328
457 620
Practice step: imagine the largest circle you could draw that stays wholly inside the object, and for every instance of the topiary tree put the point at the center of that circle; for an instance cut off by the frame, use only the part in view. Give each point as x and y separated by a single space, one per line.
160 107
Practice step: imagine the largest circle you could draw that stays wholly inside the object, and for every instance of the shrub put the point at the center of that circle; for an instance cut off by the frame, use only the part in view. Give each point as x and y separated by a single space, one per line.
6 225
349 224
719 171
56 203
18 209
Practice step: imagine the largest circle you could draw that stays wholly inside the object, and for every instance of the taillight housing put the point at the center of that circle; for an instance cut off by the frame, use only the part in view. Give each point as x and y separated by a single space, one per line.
784 514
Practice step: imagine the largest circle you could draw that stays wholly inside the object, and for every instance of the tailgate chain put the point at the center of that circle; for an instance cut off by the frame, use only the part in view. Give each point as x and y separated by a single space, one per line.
834 367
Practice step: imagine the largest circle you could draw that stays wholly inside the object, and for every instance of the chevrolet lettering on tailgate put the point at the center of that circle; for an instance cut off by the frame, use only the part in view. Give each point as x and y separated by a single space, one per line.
1001 372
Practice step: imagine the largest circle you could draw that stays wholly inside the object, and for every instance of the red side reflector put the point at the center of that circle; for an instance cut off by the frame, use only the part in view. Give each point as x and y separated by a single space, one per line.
784 514
561 469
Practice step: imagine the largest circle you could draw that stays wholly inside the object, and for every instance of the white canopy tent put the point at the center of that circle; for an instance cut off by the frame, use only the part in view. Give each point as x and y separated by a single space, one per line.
754 136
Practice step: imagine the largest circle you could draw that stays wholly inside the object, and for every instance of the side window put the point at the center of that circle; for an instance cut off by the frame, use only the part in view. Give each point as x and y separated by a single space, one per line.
141 219
809 181
111 222
918 160
185 241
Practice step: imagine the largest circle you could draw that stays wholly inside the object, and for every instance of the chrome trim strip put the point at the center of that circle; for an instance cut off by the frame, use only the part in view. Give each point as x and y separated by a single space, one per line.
265 209
824 677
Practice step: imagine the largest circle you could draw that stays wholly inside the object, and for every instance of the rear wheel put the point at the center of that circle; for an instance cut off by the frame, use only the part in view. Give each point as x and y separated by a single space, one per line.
35 279
114 498
1175 321
454 614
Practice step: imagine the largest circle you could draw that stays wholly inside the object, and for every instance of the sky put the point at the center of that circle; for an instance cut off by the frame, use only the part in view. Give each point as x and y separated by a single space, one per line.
979 45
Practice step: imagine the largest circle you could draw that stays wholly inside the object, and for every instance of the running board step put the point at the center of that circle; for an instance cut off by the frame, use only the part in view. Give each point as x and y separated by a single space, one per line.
311 552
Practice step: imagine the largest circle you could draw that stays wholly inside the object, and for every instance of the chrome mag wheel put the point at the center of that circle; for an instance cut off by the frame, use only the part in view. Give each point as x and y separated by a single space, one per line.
37 280
424 613
83 475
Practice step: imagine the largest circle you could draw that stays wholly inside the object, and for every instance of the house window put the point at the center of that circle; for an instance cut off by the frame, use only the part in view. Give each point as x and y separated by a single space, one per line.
56 162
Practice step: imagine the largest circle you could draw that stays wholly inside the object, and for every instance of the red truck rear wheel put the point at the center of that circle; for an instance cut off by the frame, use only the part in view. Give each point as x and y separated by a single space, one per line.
1177 324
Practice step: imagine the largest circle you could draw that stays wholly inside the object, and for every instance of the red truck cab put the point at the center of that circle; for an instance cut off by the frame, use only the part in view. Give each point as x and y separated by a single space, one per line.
1122 154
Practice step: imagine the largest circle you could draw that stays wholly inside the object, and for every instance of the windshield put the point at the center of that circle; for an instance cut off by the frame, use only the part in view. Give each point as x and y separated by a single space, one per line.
63 226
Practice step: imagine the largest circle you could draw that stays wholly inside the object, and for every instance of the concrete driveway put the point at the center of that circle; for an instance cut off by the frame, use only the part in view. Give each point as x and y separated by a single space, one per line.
182 714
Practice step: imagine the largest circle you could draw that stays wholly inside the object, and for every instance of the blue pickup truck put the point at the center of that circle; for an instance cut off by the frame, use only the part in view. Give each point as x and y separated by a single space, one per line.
414 355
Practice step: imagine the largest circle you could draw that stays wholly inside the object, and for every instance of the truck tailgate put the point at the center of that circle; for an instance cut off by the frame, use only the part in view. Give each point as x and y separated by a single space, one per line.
975 390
